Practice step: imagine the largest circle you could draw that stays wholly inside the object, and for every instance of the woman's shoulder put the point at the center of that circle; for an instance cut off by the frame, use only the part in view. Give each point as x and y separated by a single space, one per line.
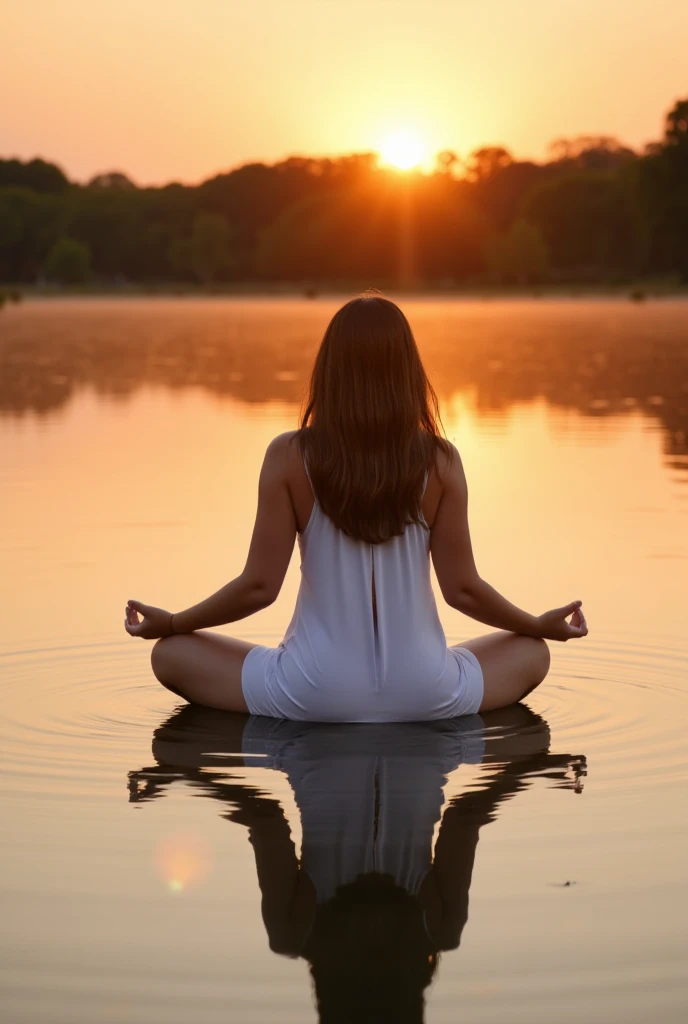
446 475
284 461
447 460
284 443
449 472
284 452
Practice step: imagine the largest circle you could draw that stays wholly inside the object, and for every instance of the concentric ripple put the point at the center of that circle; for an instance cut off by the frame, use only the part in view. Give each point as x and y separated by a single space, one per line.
74 716
626 703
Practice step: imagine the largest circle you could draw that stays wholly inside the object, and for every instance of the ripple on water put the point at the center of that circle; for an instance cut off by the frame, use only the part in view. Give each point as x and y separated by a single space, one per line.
627 704
75 717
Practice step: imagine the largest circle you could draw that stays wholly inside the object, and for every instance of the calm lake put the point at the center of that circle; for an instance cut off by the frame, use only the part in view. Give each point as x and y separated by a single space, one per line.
538 855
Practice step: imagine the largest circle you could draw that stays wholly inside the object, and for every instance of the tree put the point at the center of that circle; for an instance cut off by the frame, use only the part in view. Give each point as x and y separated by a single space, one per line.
290 249
586 221
662 196
109 222
69 262
590 152
30 222
603 213
447 162
519 255
501 197
210 255
111 179
448 230
676 126
487 161
37 175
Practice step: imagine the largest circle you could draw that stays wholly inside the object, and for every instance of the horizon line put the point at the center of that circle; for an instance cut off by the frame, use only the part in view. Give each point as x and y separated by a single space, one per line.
422 168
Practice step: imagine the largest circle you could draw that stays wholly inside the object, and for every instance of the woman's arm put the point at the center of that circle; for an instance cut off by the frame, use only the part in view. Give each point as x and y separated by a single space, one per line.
462 587
260 582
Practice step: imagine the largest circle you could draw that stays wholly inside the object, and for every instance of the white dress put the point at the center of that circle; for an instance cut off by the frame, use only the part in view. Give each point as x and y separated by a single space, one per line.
341 660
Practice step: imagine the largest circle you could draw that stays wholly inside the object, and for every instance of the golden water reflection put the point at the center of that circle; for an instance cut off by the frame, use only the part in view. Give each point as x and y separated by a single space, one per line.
598 357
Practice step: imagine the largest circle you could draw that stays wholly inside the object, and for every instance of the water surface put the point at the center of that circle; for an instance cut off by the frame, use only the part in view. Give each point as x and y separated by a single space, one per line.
546 848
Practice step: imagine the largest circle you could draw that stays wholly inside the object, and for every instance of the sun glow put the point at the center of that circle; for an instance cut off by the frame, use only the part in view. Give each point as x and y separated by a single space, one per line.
403 150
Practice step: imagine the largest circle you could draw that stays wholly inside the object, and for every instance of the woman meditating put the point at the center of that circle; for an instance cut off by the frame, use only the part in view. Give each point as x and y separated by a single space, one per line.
372 490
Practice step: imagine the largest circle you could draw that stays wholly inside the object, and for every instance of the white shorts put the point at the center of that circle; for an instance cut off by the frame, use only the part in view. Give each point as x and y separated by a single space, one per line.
271 688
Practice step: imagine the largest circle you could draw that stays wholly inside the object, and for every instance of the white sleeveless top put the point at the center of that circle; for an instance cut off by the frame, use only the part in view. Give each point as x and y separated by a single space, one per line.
339 662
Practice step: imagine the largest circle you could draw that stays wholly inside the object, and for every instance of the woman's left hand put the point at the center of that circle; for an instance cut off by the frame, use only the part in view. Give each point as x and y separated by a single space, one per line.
156 622
556 625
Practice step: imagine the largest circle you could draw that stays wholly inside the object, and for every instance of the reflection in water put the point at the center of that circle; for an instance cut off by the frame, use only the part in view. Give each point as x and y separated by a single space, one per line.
368 904
597 357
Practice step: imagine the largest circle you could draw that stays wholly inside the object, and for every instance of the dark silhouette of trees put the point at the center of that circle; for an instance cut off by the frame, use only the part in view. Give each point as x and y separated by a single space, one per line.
676 129
30 223
447 162
603 214
590 153
661 193
520 255
209 249
111 179
68 262
37 175
502 196
487 162
586 222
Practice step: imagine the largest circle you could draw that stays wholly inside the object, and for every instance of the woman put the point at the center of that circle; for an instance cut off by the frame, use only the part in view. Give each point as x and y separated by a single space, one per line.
372 490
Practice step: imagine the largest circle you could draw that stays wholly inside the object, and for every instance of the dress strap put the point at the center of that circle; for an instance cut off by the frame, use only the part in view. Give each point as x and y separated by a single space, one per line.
308 473
314 510
422 520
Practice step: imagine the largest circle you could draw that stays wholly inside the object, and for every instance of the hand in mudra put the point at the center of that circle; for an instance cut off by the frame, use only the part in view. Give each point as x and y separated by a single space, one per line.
556 624
155 624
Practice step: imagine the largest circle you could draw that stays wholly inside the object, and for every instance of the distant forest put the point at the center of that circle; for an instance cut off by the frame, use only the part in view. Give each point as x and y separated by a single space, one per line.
595 213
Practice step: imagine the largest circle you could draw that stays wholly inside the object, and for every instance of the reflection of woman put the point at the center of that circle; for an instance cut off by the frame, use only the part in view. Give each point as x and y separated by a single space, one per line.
367 904
372 490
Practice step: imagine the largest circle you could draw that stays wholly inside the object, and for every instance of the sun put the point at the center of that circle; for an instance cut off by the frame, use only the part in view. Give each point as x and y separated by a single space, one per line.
403 150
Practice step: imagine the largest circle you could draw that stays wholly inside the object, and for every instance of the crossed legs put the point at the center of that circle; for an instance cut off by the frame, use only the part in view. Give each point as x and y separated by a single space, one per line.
512 666
205 667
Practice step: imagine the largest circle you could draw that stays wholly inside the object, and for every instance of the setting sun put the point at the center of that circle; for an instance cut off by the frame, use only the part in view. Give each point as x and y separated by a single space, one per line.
403 150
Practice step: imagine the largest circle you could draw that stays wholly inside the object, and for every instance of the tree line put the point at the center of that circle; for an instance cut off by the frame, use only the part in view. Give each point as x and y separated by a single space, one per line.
595 212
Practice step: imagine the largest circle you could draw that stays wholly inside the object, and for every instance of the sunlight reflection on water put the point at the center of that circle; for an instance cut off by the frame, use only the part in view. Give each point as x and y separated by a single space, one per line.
131 434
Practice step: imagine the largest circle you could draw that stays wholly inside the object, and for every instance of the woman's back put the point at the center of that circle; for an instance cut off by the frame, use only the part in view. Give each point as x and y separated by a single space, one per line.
368 609
365 642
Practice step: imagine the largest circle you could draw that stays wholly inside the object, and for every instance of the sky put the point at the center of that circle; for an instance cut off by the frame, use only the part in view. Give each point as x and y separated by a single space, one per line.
178 90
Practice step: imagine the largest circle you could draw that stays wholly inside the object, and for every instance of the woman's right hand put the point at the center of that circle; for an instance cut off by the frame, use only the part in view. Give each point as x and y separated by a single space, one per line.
156 622
556 625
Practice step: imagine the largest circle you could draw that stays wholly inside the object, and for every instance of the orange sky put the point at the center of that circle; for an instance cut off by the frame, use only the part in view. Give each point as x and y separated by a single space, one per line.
175 89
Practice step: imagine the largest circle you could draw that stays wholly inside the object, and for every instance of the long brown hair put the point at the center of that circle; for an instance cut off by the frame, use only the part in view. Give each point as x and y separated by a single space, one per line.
370 427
